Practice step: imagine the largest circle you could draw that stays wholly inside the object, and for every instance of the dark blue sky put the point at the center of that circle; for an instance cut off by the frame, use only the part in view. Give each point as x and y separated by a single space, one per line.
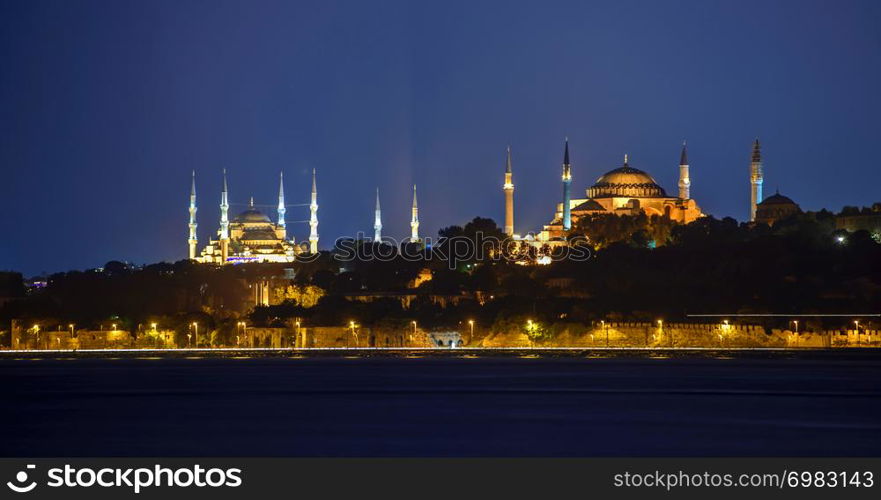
106 107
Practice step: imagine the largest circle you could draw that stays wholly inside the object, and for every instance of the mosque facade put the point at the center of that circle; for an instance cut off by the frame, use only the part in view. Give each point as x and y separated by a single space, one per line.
252 236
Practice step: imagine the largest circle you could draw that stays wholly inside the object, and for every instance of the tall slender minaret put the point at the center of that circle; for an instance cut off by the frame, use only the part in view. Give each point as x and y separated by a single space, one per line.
313 218
684 179
193 239
509 196
224 221
414 218
567 195
281 208
377 221
756 178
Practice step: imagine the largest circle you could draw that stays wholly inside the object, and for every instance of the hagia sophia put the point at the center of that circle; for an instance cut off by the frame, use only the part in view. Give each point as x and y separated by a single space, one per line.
252 236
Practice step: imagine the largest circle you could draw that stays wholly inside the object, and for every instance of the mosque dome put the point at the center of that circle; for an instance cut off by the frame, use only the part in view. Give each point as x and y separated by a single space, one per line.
626 182
776 207
778 199
252 216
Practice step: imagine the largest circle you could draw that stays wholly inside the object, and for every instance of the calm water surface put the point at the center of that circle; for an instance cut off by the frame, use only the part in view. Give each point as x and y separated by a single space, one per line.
495 406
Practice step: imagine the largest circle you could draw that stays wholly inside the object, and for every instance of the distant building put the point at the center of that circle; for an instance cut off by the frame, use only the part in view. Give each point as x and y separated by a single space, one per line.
774 208
854 219
623 191
251 236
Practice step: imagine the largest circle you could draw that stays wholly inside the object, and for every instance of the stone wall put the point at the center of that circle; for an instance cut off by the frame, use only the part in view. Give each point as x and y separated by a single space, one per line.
636 334
613 334
90 339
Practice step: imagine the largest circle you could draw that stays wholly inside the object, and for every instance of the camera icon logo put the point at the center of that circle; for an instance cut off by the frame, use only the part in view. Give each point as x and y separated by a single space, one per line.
20 478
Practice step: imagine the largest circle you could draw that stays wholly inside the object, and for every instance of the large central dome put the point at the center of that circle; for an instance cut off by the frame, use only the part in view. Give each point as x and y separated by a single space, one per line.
626 182
252 216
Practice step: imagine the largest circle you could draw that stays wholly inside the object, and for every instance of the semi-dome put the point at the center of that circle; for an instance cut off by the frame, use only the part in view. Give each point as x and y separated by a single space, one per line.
627 182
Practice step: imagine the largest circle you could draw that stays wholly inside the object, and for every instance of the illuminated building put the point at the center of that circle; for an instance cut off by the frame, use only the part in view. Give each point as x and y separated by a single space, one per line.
414 218
509 195
377 220
756 178
313 217
251 236
623 191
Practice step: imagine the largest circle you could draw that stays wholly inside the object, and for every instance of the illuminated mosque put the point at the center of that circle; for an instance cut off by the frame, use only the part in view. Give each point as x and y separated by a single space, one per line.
627 190
252 236
622 191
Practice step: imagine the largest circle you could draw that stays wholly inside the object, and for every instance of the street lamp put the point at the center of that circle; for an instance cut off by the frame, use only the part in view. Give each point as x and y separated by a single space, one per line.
196 332
856 325
471 335
71 329
302 344
661 331
354 335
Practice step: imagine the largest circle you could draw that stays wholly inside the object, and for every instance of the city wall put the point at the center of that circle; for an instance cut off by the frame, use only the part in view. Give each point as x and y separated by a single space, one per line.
614 334
684 335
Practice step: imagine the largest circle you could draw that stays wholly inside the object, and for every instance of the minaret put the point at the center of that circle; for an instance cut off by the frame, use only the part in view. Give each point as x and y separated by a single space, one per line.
224 221
193 239
281 207
509 196
313 218
567 196
377 221
684 179
756 178
414 218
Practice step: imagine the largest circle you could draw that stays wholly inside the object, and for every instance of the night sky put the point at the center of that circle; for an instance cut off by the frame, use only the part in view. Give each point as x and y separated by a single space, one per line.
106 107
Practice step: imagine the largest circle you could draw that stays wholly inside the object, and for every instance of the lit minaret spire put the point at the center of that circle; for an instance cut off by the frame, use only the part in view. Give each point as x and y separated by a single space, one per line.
193 239
281 208
756 178
377 221
224 221
509 196
414 218
567 196
684 179
313 217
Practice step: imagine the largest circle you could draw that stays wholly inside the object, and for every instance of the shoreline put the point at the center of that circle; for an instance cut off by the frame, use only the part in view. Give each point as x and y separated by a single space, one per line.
462 352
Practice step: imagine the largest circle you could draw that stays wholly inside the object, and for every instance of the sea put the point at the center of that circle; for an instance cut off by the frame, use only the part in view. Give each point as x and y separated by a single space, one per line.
590 404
